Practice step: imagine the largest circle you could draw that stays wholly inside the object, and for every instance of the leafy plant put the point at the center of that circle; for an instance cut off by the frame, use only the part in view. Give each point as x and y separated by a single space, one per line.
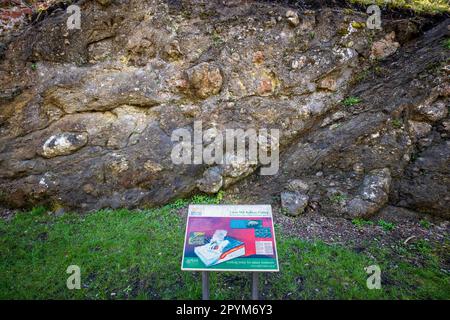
338 198
446 43
361 76
178 204
359 222
397 123
425 224
207 199
387 226
423 247
217 40
351 101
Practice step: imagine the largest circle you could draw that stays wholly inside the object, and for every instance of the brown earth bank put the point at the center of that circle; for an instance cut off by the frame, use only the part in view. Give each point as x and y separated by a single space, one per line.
86 116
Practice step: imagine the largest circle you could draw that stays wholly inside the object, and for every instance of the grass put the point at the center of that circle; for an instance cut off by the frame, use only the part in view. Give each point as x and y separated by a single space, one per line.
351 101
419 6
126 254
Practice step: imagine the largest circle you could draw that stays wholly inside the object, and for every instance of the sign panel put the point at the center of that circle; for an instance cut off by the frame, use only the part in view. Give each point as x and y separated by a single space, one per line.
230 238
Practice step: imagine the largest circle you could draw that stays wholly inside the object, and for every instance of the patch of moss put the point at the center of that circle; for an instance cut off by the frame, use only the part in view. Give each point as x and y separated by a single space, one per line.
358 25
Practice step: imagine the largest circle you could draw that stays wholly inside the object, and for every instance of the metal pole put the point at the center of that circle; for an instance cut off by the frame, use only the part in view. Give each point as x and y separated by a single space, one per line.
255 285
205 285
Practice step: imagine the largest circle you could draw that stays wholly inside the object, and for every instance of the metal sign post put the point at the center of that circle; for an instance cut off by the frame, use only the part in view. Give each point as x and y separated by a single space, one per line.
205 285
255 286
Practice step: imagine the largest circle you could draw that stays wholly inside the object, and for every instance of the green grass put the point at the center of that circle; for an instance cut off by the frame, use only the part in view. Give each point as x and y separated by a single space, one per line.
419 6
126 254
351 101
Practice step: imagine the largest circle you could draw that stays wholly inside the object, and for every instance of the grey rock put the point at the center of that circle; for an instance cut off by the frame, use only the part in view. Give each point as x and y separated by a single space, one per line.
376 186
212 180
428 191
373 195
293 203
419 129
59 212
64 144
432 111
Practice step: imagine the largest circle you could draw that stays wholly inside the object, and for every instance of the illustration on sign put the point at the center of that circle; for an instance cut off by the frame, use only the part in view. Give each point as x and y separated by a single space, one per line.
230 238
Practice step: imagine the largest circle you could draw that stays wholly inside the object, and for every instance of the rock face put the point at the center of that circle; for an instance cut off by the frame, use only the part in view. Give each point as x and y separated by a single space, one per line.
87 116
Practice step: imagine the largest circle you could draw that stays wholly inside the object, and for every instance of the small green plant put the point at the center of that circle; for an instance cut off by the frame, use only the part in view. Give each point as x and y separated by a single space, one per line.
397 123
312 35
284 211
217 40
207 199
197 199
446 43
219 196
361 76
348 11
378 70
178 204
425 224
351 101
34 66
38 210
358 222
342 32
387 226
338 198
423 247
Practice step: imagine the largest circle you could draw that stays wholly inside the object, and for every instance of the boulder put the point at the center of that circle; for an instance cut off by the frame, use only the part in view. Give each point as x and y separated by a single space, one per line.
293 203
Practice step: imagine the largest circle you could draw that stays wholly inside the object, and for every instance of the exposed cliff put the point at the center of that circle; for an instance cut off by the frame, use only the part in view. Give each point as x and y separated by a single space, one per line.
86 116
